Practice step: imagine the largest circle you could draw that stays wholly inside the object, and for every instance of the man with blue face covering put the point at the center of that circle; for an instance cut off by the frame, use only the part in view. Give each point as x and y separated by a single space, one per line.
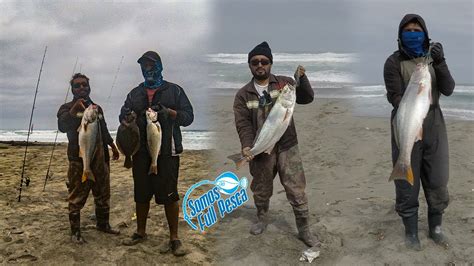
174 110
430 157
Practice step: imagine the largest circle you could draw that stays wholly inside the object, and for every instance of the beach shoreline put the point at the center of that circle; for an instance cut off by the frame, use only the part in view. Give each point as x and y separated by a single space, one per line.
347 162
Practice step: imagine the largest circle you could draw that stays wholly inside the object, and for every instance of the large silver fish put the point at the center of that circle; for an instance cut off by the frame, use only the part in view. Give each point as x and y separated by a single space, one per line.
408 122
128 138
153 133
88 136
274 126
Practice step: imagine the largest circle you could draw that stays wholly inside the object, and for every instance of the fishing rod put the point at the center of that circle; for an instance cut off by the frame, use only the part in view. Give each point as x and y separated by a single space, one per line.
27 179
115 79
57 132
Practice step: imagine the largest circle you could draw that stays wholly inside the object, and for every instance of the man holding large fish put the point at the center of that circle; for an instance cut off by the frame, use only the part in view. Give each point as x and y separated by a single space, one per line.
415 76
89 167
263 111
161 108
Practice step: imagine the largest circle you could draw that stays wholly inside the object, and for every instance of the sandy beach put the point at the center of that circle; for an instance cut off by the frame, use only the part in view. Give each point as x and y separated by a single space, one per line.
347 163
36 230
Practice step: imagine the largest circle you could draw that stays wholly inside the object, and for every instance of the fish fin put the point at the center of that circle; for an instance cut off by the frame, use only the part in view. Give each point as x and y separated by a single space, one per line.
128 162
81 152
79 128
269 150
419 136
421 87
153 169
410 177
403 172
240 163
87 175
85 127
158 127
287 115
238 160
395 130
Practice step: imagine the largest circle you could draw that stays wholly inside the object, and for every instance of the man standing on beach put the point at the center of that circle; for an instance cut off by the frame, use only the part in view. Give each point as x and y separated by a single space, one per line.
174 110
430 157
69 119
252 105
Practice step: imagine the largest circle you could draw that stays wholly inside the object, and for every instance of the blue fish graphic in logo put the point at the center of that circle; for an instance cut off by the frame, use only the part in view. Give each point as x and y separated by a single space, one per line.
228 183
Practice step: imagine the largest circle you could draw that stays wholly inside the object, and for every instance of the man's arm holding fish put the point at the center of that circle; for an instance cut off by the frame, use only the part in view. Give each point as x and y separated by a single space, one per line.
393 81
126 108
304 92
67 116
107 138
443 76
243 125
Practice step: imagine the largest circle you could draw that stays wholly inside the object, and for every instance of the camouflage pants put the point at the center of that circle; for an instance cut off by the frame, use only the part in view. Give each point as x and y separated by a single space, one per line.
289 167
78 191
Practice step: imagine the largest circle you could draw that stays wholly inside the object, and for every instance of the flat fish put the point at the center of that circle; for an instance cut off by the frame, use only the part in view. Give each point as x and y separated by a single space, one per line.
128 138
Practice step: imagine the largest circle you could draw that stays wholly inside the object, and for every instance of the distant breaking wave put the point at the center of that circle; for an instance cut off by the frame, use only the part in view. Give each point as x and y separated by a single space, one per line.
224 58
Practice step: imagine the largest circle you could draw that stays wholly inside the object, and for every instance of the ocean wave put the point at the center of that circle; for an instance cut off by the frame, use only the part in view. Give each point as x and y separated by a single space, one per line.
370 88
224 58
192 140
348 96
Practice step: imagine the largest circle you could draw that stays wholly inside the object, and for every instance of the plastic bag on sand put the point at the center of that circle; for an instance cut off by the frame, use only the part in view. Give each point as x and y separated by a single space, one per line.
309 255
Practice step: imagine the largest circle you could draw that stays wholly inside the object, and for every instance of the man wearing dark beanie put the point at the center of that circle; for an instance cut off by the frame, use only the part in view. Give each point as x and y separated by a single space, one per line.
252 105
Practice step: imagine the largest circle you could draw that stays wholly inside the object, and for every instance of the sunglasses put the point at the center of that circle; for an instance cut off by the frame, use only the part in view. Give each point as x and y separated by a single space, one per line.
78 85
264 100
264 62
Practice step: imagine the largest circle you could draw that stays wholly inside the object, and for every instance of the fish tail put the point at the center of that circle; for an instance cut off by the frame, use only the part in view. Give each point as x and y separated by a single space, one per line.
128 162
153 169
238 160
403 172
87 175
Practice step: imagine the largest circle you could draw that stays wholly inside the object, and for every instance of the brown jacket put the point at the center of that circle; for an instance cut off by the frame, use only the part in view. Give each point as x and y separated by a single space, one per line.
246 110
69 124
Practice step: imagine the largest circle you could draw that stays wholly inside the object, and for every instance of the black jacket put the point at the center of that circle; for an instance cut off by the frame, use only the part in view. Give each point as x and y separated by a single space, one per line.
69 124
392 72
169 95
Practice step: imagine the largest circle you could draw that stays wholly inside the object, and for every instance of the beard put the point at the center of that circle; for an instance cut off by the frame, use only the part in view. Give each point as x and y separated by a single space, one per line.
260 76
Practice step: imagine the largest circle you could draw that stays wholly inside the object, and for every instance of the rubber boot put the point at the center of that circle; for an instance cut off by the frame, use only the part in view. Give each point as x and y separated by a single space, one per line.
102 216
435 232
302 224
262 220
411 233
75 221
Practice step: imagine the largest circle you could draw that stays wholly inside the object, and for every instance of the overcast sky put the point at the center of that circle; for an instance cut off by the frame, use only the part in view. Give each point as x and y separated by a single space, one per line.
367 27
99 34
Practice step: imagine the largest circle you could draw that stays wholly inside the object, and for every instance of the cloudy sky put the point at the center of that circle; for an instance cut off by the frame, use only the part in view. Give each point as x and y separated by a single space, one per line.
98 34
366 27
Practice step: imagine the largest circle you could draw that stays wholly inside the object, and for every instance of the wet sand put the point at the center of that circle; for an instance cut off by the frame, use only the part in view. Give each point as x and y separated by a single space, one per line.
347 162
36 230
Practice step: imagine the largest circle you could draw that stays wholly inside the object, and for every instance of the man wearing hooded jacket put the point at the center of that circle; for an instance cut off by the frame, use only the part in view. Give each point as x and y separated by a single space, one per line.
174 110
69 119
429 158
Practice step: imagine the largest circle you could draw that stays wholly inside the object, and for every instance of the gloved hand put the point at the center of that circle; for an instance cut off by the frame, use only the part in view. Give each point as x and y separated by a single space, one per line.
437 53
163 111
247 154
77 107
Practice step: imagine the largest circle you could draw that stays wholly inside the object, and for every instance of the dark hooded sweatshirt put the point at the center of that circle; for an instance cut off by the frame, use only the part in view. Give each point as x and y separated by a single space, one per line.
394 83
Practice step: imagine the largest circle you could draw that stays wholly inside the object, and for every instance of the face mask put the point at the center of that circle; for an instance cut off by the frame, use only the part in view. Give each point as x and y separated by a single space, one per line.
153 76
413 42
